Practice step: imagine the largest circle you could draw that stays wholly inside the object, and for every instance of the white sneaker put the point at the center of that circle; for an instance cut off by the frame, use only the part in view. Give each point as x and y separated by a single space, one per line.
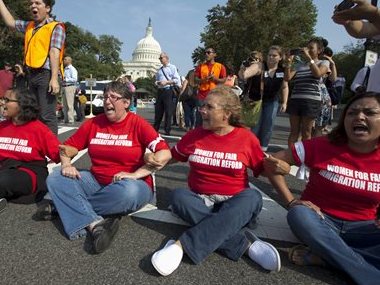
167 259
265 254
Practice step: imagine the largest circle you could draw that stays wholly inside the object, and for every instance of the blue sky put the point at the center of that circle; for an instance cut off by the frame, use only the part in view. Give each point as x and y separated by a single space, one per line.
177 24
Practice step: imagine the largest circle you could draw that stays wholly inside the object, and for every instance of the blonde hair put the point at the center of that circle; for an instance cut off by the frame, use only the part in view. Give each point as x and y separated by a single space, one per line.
230 103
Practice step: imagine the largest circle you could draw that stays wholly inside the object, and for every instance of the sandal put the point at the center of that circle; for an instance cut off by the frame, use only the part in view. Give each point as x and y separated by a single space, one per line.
302 255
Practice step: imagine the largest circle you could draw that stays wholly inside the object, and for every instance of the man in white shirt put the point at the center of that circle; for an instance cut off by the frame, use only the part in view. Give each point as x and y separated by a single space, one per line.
69 88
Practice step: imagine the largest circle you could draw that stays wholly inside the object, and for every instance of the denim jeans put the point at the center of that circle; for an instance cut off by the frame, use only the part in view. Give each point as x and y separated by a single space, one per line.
189 108
218 228
80 202
353 247
264 127
198 116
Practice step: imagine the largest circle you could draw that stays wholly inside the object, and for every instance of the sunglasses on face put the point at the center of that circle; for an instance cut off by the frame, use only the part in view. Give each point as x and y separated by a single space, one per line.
112 98
209 51
7 100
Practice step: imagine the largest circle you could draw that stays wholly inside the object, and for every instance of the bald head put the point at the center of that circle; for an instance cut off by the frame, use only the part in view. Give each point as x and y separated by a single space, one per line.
67 61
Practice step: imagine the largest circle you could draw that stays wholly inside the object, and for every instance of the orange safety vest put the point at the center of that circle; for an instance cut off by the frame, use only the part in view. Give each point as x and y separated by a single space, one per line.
37 45
209 85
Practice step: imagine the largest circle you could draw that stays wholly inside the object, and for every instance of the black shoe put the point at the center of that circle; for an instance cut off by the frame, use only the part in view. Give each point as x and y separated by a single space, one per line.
46 211
3 204
103 234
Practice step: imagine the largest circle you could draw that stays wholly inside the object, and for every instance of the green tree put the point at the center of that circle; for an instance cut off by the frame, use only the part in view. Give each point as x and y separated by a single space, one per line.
240 26
11 43
91 55
148 83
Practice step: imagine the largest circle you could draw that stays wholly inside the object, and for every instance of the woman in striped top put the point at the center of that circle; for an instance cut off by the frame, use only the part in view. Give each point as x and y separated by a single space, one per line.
306 71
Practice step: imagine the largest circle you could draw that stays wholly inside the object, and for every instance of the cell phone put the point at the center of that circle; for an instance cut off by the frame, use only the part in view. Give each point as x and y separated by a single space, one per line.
296 51
344 5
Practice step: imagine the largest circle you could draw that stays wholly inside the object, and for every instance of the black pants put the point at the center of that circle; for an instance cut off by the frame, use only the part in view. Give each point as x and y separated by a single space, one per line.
14 183
39 85
165 103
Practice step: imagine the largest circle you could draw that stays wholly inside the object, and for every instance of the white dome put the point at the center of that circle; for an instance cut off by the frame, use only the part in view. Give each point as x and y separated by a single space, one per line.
147 49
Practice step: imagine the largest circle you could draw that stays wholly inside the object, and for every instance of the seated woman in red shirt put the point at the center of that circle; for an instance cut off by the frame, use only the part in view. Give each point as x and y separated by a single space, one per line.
118 182
336 214
24 144
219 204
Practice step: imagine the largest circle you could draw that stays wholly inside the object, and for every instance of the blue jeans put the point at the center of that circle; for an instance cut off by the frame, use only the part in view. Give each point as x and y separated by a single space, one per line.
353 247
219 228
189 108
80 202
264 127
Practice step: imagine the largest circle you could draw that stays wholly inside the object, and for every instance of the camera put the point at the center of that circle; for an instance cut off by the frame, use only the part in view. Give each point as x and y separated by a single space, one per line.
344 5
247 62
296 51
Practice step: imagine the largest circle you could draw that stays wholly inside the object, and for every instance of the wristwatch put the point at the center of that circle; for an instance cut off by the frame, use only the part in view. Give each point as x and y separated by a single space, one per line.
311 62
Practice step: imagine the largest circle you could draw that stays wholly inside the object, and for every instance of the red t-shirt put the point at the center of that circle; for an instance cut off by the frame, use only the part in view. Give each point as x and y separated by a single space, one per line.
28 142
6 81
202 94
218 164
343 183
115 147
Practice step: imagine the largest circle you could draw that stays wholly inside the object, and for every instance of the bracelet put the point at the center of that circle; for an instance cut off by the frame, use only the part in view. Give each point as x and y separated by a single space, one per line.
291 202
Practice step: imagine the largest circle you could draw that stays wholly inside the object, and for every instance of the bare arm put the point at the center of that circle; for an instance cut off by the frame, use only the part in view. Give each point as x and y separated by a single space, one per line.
7 16
284 96
161 158
66 153
184 85
248 72
54 66
352 19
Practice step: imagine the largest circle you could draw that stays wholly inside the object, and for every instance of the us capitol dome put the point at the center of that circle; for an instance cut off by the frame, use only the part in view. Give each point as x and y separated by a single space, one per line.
145 62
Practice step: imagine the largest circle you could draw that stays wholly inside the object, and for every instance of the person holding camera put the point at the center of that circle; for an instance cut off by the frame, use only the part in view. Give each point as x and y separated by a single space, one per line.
362 21
306 70
271 74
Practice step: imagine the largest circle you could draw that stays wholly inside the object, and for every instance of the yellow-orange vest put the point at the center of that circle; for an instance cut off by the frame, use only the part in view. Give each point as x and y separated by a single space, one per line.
37 45
209 85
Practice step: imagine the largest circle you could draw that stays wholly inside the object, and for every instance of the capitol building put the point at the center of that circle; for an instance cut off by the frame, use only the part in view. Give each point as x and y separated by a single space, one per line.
145 62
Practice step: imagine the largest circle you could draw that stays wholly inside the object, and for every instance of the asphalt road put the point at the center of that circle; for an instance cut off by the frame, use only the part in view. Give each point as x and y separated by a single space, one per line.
33 252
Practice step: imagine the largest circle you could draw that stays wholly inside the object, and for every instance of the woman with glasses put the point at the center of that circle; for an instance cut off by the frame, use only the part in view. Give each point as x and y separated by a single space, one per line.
24 144
118 182
219 205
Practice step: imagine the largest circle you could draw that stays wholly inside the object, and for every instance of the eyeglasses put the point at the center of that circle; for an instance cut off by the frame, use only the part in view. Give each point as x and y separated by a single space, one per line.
7 100
209 51
112 98
161 57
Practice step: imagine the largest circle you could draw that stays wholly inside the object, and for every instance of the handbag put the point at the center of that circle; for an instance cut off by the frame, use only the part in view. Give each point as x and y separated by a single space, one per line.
251 110
175 88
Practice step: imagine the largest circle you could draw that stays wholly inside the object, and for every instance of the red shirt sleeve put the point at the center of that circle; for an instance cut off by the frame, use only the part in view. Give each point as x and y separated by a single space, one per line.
223 72
150 138
80 138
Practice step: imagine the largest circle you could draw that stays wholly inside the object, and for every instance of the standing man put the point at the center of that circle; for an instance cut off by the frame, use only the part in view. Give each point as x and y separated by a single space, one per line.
208 75
6 79
69 88
43 53
166 78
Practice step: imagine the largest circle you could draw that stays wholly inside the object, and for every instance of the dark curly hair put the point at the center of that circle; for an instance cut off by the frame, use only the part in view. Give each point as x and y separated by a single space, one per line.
29 109
338 135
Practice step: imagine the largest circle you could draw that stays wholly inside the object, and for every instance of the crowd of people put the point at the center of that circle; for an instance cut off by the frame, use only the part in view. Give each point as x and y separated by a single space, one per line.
337 216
